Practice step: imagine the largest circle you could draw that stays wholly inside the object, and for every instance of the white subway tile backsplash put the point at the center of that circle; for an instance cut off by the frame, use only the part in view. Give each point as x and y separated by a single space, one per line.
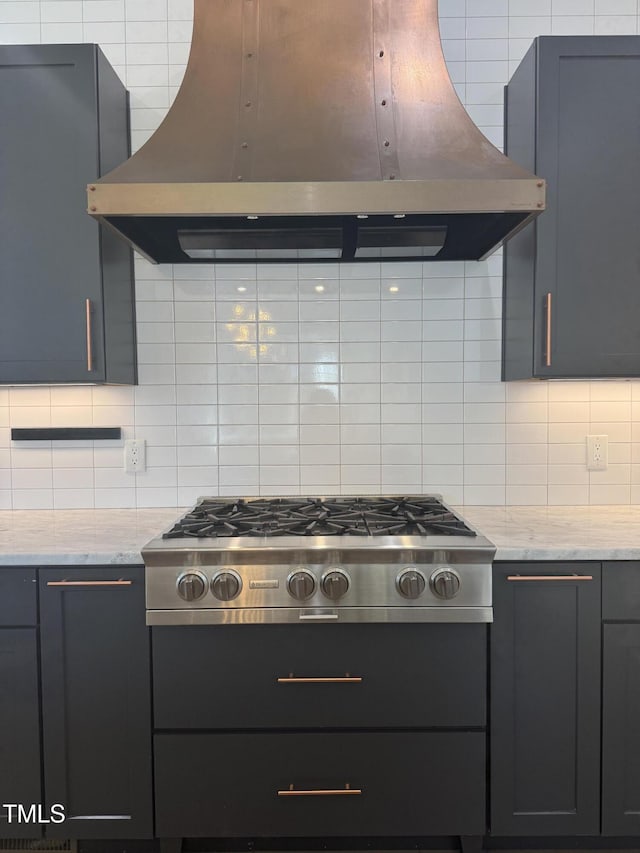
60 11
610 411
599 495
23 455
529 27
616 25
19 33
573 25
292 378
617 432
483 433
526 495
356 433
33 498
484 495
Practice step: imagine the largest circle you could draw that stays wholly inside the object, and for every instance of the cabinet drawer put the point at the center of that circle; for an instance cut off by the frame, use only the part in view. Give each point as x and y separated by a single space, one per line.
223 785
375 676
621 591
18 597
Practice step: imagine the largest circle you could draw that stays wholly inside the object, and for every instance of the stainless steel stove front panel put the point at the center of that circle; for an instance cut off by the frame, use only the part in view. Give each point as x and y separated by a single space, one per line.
328 615
371 584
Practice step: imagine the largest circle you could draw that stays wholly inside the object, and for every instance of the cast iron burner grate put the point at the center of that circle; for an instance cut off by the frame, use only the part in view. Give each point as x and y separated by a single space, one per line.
339 516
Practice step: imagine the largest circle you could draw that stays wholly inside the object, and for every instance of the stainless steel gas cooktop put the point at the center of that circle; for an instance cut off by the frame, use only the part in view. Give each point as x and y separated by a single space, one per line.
319 559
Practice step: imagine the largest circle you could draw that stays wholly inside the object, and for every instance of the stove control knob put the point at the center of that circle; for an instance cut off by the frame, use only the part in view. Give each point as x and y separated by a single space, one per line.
301 584
411 583
445 583
191 586
335 583
226 585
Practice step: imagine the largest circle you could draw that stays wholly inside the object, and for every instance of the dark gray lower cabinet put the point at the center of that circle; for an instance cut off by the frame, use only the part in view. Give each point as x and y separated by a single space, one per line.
621 731
19 731
96 702
20 777
545 699
621 699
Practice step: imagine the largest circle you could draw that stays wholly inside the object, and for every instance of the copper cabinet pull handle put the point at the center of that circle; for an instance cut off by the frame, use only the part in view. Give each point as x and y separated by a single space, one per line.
346 679
320 792
89 339
547 353
120 582
550 577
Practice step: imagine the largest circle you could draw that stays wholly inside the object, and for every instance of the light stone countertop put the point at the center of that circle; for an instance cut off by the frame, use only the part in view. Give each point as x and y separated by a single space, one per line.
559 532
115 536
79 537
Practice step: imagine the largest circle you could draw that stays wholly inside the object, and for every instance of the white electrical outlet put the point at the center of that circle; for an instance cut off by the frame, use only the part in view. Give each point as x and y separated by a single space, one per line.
135 455
597 452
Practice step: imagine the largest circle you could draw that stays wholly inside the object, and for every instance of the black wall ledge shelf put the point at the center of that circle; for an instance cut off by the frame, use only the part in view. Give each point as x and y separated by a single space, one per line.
65 433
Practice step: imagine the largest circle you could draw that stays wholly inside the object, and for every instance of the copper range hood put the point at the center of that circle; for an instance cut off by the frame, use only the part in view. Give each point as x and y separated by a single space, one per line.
316 130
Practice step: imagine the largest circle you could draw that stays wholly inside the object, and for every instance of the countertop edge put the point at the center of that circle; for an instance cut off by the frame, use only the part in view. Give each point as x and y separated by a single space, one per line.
503 554
109 558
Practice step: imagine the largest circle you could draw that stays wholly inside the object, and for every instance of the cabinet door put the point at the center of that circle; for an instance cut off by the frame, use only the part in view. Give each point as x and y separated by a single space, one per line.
96 701
49 246
19 729
588 249
621 730
545 699
570 278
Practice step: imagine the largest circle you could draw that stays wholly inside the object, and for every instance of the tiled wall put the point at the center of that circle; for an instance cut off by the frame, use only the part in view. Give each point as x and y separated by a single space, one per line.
287 379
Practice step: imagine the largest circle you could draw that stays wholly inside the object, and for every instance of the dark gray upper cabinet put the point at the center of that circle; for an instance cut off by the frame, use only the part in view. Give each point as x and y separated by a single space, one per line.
545 699
66 284
572 110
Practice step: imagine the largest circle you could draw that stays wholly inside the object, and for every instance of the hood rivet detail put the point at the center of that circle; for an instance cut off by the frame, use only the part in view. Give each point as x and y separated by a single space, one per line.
245 144
386 143
249 56
540 184
392 177
92 188
248 104
239 178
93 208
381 54
384 103
540 204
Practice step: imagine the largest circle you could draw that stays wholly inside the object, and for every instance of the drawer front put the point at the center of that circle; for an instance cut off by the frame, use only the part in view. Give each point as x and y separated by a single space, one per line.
369 676
227 785
621 591
18 597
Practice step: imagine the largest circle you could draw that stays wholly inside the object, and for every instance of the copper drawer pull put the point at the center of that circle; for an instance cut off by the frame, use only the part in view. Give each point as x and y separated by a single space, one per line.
547 349
120 582
550 578
320 792
89 339
346 679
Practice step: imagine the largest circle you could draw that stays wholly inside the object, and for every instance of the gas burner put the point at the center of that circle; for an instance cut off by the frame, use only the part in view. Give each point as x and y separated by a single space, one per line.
331 516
